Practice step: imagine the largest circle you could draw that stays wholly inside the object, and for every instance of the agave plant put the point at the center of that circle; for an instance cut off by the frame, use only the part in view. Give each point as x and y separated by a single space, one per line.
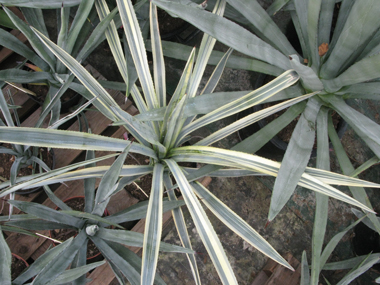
24 156
67 276
160 130
340 67
89 225
45 68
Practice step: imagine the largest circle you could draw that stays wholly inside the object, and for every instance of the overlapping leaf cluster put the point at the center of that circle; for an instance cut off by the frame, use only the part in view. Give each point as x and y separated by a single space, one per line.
160 130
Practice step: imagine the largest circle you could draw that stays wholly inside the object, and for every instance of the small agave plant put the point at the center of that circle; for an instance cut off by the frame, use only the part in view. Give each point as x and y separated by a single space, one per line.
161 130
90 225
79 39
24 156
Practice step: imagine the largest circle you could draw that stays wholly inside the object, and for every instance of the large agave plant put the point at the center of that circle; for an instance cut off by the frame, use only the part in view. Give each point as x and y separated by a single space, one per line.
160 130
342 66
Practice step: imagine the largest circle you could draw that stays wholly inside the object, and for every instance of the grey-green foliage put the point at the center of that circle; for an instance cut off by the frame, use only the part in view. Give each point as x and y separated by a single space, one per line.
90 225
77 36
161 139
348 68
339 59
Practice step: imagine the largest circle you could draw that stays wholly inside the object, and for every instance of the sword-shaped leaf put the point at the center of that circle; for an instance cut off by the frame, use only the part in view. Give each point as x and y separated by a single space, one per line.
59 265
88 216
362 22
180 223
250 119
285 80
295 159
11 42
96 36
29 181
349 263
81 73
182 52
359 193
359 269
72 274
305 272
211 155
334 241
108 183
217 73
237 224
367 129
45 4
361 71
47 257
18 230
113 40
137 48
178 94
135 239
22 76
133 259
321 209
6 260
263 25
97 172
39 225
158 57
204 227
153 227
47 213
38 47
205 49
120 263
227 32
139 210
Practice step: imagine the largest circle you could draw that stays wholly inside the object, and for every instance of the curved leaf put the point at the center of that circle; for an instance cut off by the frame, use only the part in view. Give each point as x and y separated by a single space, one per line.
211 155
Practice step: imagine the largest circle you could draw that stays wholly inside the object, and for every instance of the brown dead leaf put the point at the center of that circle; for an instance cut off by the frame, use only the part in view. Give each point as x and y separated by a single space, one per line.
323 48
305 61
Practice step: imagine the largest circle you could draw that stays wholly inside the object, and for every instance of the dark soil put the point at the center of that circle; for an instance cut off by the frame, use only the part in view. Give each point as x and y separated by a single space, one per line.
168 25
6 161
17 267
76 204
